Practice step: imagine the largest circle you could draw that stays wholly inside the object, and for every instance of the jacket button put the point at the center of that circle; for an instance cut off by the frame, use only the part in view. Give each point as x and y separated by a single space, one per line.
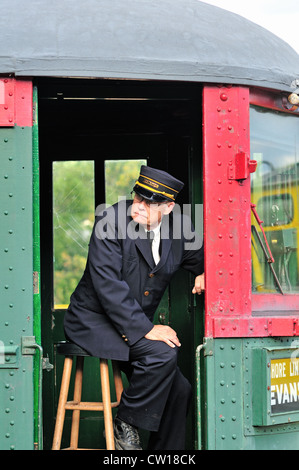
126 339
151 275
146 293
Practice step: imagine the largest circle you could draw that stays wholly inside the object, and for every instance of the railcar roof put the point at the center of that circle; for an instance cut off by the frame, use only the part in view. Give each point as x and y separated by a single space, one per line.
184 40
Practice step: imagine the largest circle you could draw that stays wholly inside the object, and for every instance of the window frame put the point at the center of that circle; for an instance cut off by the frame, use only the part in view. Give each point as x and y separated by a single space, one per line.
280 311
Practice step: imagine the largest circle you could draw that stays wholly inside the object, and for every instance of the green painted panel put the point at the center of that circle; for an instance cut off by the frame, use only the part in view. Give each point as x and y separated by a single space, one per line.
16 288
236 383
224 426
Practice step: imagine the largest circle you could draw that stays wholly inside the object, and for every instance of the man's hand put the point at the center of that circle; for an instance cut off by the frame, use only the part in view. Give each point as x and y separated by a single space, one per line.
199 284
163 333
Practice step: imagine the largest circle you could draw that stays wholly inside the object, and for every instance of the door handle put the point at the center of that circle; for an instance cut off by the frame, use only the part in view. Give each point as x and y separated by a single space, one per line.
162 318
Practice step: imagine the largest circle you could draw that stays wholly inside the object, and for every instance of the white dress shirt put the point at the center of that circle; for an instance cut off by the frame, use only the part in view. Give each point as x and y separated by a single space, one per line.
156 243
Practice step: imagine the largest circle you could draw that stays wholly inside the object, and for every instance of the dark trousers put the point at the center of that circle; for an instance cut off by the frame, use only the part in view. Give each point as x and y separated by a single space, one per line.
158 395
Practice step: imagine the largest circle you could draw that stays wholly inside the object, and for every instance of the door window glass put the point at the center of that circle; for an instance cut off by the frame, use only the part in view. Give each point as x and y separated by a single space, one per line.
120 177
73 218
274 187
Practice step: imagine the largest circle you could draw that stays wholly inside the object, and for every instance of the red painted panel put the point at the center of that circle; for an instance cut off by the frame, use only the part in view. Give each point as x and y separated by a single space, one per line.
231 309
227 204
7 102
240 327
24 103
255 327
15 102
276 303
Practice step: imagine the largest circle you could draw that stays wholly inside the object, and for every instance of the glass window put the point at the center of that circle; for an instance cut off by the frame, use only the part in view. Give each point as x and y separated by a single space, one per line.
277 209
73 218
274 187
120 177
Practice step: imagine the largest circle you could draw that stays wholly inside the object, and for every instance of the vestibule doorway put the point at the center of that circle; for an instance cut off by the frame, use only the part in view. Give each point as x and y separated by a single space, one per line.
93 137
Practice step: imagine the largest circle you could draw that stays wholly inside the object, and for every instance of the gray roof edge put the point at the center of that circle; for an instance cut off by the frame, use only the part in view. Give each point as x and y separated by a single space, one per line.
148 70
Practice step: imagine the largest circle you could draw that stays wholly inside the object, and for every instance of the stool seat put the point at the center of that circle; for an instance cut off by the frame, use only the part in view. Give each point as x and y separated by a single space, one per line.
66 348
71 351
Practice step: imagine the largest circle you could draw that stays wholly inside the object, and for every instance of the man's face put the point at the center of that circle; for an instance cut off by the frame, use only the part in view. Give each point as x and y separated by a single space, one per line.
149 214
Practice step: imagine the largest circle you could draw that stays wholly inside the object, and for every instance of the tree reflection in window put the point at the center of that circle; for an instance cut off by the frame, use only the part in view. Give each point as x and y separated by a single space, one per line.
73 218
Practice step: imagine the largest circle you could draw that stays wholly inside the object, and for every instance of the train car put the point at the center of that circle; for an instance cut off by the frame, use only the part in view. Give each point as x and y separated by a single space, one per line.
91 90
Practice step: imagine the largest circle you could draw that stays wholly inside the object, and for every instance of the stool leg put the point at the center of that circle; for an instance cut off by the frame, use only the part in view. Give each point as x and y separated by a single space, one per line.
77 398
64 388
106 399
117 380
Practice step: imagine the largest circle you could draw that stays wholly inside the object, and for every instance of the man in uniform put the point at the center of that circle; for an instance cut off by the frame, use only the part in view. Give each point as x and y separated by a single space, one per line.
135 249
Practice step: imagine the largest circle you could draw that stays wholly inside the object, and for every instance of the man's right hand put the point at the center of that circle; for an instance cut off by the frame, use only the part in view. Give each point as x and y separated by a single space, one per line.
163 333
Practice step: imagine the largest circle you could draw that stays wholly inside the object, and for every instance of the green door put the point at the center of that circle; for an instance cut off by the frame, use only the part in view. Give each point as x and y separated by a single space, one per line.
19 359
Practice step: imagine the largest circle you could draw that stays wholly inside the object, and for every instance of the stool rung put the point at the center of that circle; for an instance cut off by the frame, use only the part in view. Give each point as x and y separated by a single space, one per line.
87 406
76 405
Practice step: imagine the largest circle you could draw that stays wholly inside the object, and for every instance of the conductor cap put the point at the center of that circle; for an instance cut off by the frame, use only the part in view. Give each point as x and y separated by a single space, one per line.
157 185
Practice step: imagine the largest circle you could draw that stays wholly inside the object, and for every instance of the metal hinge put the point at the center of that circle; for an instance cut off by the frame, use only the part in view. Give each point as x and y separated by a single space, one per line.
35 282
9 356
47 365
28 345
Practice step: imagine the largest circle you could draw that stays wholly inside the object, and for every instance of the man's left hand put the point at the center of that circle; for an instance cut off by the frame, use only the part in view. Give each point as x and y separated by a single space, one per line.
199 284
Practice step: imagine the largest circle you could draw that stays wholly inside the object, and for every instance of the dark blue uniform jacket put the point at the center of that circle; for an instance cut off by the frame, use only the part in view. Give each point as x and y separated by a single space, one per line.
114 303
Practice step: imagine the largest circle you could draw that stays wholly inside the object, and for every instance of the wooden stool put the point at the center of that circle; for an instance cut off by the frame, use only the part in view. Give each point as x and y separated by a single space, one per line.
71 350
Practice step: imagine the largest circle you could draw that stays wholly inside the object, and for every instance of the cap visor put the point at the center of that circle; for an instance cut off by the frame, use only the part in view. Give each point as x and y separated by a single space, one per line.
149 195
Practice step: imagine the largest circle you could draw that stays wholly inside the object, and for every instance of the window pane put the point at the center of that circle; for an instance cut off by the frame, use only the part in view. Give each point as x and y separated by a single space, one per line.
73 217
278 209
120 177
274 186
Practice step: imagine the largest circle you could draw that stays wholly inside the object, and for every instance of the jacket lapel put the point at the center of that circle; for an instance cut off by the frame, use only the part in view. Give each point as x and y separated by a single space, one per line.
145 249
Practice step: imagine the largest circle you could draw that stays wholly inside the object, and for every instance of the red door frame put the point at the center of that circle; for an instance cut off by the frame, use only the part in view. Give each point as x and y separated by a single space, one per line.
229 302
15 102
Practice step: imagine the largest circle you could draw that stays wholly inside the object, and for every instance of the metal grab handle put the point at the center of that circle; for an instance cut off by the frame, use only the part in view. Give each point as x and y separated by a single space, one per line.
198 399
260 222
29 347
268 255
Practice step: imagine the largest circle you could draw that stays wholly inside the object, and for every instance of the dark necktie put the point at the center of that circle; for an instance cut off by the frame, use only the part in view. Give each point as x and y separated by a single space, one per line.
150 236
